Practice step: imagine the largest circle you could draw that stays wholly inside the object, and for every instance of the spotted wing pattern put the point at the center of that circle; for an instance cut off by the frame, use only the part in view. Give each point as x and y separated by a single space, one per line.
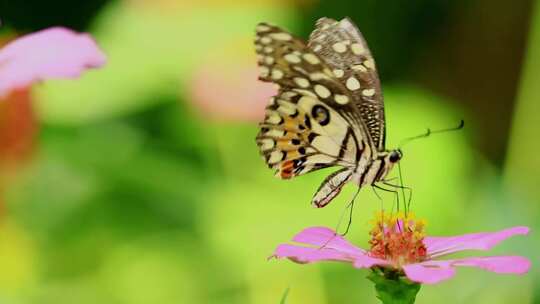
344 49
311 123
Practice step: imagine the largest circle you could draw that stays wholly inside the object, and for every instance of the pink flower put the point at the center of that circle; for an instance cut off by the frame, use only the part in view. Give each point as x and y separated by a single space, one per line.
52 53
232 94
398 244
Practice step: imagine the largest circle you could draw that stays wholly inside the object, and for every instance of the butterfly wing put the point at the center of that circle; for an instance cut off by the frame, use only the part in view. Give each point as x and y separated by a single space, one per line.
312 122
344 49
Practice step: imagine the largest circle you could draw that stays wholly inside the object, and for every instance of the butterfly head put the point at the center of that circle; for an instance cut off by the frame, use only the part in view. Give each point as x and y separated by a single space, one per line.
394 156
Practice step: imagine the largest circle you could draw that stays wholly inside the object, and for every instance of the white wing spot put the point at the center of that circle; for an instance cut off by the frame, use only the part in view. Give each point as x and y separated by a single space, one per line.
317 76
268 49
352 83
311 58
264 72
339 47
305 93
277 74
268 60
275 157
357 49
275 133
292 58
317 48
266 40
341 99
338 73
288 95
369 64
274 119
368 92
301 82
322 91
262 28
267 144
359 67
281 36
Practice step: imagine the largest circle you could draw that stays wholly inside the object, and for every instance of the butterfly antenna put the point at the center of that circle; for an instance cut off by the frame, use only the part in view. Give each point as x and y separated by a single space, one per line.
429 132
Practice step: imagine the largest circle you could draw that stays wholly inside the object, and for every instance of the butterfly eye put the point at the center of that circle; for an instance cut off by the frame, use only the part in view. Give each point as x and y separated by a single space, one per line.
321 115
395 156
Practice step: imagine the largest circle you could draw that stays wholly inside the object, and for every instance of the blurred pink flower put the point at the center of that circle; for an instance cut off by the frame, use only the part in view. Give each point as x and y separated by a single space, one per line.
401 247
51 53
231 94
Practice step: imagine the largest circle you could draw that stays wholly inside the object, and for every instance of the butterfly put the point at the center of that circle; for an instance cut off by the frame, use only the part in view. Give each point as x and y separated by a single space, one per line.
329 109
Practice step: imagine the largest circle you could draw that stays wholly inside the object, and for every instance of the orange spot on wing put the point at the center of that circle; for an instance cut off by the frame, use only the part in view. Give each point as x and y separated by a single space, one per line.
286 169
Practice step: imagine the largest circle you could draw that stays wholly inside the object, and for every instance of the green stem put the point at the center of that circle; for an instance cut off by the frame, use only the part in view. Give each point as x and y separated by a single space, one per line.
393 288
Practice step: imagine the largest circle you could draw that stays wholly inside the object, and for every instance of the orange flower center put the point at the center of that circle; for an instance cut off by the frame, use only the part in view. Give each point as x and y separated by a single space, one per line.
397 238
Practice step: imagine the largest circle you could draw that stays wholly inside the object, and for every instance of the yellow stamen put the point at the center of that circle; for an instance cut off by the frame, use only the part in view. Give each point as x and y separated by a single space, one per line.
397 238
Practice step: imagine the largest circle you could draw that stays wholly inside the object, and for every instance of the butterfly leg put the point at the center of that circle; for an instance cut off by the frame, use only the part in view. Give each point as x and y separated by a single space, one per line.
349 206
409 189
390 179
378 196
395 192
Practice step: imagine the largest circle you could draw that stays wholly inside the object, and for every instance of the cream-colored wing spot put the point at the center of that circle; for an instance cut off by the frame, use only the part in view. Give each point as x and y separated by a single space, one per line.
352 83
277 74
301 82
312 59
339 47
357 49
370 64
281 36
368 92
322 91
338 73
292 58
341 99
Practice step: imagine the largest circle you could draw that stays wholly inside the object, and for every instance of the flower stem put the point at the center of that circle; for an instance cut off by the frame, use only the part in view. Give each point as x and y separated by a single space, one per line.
393 288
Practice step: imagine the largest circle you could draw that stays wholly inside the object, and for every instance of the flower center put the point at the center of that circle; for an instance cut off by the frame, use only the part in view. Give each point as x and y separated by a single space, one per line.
397 238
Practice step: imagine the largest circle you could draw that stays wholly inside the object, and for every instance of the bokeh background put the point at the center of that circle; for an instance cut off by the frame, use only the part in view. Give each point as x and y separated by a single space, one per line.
141 181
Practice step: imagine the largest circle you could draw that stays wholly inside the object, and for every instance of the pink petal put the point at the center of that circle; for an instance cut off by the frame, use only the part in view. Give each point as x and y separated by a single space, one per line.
438 246
302 255
234 94
429 272
365 261
329 247
52 53
309 255
327 238
498 264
